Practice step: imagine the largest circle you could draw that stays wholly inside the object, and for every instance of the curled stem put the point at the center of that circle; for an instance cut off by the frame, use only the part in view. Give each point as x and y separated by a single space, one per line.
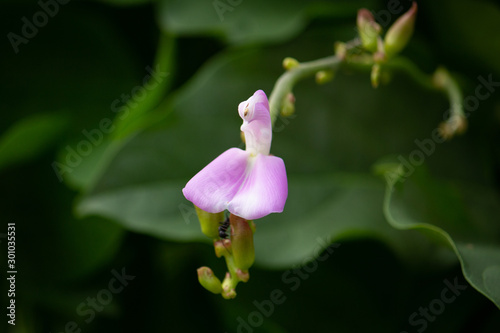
456 122
406 65
441 80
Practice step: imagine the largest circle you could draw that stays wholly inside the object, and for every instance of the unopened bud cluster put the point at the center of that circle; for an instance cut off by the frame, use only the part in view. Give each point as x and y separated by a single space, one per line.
237 249
395 40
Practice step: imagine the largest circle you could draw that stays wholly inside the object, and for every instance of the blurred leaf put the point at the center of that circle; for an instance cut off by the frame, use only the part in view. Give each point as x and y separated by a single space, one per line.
30 137
84 173
246 22
86 76
465 216
135 114
330 208
338 207
144 209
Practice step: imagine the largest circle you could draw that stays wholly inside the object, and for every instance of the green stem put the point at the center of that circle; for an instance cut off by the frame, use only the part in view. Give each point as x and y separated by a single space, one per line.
441 80
234 276
456 122
444 81
230 281
287 80
405 65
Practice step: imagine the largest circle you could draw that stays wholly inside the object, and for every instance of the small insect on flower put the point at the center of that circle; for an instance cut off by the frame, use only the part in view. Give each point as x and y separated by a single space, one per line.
223 229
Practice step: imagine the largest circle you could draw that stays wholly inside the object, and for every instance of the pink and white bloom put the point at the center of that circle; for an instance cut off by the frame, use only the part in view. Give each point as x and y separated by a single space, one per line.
248 183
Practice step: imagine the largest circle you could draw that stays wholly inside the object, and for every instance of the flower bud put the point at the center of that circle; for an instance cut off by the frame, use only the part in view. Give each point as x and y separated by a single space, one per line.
243 276
222 247
379 56
242 243
368 29
455 125
340 50
375 75
209 222
288 107
228 291
323 77
441 78
400 32
208 280
290 63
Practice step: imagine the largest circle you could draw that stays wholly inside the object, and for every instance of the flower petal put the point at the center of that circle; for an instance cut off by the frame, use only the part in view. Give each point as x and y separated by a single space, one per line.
264 191
216 184
255 108
256 123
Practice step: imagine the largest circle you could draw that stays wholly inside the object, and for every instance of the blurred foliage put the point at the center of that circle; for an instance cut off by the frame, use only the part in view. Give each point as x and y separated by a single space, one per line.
94 154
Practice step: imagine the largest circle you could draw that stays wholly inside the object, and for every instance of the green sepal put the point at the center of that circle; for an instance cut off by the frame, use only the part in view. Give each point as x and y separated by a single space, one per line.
208 280
242 242
209 222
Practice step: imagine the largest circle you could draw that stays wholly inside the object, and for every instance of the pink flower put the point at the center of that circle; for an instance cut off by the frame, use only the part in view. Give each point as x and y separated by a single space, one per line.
248 183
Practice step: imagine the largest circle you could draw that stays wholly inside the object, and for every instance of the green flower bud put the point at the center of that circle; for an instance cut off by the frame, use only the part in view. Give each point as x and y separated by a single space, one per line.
209 222
375 75
457 124
208 280
323 77
222 247
290 63
368 29
340 50
228 291
441 78
400 32
288 107
243 276
242 242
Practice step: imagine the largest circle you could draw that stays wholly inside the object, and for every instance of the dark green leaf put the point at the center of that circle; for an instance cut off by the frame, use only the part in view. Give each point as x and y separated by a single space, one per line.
465 217
246 22
30 137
